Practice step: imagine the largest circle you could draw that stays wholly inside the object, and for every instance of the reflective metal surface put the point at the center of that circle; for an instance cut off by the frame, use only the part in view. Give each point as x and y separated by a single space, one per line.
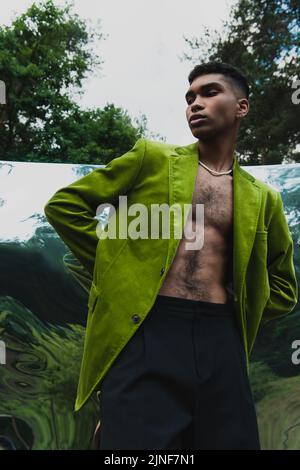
43 312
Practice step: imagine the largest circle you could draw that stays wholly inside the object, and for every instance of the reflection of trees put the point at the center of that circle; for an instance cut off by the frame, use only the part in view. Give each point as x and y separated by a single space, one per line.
278 413
281 332
291 202
83 170
8 167
37 217
34 273
82 276
274 379
282 176
39 381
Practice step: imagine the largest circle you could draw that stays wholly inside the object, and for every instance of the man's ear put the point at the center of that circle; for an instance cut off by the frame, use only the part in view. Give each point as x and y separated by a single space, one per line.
243 107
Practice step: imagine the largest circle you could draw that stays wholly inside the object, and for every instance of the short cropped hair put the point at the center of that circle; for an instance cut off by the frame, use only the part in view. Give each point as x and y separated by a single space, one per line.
235 76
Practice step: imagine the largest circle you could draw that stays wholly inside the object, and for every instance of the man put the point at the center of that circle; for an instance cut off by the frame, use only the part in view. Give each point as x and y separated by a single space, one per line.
170 329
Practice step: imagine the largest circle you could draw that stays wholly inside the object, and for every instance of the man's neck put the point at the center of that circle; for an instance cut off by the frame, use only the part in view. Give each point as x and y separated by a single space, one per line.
217 155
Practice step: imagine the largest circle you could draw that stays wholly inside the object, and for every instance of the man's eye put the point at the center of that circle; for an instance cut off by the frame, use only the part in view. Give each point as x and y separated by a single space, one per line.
208 93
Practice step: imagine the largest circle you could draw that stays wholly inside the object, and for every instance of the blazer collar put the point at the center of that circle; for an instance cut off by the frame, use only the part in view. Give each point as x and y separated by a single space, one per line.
191 151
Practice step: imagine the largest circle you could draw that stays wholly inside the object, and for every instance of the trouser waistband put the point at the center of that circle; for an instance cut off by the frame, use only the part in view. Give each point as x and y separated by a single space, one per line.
198 306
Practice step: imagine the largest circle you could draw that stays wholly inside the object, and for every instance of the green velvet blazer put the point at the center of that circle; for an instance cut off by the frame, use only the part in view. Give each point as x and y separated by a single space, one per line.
126 274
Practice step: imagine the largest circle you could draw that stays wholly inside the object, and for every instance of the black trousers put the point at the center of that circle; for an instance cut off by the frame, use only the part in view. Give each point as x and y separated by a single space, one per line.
180 383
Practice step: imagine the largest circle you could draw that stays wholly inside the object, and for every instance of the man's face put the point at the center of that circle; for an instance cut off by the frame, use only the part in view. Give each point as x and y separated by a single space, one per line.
213 97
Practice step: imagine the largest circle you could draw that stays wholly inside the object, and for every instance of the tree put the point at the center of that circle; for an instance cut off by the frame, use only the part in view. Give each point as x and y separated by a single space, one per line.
262 39
45 55
87 136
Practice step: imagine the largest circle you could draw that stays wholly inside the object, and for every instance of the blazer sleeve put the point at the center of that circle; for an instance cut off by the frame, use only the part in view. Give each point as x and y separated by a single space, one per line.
71 210
281 270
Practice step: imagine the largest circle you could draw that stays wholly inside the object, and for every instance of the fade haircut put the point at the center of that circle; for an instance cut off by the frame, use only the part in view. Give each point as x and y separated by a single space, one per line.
234 76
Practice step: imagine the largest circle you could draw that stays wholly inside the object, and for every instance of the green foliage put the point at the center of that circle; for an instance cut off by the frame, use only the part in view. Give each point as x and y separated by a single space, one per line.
262 39
45 55
85 136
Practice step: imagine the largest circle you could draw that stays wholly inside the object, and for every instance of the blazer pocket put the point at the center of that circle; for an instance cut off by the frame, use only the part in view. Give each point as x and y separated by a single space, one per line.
93 297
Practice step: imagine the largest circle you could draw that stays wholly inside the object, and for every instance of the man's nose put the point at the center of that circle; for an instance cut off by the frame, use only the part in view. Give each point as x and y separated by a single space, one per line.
197 104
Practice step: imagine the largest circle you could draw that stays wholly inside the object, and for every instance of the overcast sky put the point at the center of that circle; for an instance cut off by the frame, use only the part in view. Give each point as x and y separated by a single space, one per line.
142 72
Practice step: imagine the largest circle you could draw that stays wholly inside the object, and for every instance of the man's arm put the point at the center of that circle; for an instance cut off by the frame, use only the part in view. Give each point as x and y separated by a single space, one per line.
281 270
71 210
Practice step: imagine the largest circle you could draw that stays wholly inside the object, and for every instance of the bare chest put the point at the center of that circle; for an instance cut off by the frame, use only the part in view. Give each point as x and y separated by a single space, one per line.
216 195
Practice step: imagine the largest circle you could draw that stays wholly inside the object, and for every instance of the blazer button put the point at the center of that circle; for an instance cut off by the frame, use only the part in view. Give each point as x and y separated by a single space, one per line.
162 271
135 318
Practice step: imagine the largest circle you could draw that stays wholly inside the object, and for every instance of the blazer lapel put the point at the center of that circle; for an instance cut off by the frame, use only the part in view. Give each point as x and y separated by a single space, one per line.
183 168
246 207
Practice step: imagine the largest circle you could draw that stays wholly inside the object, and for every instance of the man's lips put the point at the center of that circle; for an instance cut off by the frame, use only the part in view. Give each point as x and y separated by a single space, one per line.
195 121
